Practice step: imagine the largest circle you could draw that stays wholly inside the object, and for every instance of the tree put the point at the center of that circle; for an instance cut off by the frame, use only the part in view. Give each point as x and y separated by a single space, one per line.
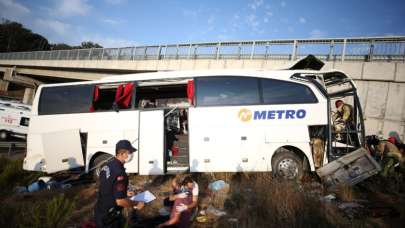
14 37
89 44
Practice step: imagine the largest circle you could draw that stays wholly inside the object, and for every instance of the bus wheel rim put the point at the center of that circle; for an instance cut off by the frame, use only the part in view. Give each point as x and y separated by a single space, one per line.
288 168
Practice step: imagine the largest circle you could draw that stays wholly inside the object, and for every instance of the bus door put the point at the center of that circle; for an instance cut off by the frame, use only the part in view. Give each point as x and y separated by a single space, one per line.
60 157
350 135
151 142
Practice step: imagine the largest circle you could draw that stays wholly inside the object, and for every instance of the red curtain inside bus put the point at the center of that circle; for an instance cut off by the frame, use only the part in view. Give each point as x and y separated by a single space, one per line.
123 95
190 91
96 95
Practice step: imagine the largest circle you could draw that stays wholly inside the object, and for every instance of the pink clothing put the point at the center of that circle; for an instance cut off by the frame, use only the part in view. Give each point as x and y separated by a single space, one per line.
185 215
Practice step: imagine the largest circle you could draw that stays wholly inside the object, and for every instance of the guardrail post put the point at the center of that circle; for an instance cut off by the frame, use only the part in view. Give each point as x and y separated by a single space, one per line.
132 53
118 53
58 55
195 52
294 51
218 50
90 51
332 44
78 54
344 50
158 52
102 54
239 50
253 49
164 54
371 51
267 50
177 51
144 52
403 57
189 51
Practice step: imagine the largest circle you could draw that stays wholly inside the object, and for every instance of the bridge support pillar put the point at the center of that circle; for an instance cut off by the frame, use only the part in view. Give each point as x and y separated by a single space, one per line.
28 95
3 85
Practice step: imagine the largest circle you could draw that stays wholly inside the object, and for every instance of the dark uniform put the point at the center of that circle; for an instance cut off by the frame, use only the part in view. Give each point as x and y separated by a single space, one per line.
113 185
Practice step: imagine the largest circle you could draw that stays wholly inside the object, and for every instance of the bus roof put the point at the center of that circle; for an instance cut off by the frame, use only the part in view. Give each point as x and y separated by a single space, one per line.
279 74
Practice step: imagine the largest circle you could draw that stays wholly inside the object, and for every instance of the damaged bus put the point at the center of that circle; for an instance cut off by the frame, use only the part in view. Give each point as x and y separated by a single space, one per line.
196 121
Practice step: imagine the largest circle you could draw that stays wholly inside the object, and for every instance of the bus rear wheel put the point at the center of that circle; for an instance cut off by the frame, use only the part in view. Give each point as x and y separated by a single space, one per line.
288 165
98 164
3 135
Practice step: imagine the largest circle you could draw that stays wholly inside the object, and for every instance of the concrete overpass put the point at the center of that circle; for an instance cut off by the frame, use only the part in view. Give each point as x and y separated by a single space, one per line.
376 63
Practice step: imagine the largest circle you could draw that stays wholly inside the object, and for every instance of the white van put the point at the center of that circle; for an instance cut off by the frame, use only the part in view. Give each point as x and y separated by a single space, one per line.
14 119
227 121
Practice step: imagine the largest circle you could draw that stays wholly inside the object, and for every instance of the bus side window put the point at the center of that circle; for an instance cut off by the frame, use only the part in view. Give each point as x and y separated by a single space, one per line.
162 96
109 97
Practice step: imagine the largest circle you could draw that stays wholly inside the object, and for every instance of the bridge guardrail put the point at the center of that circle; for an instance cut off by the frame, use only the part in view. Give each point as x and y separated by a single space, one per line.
331 49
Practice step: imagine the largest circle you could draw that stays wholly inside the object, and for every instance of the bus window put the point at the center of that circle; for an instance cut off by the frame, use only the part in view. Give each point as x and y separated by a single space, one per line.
108 97
65 99
161 96
227 91
282 92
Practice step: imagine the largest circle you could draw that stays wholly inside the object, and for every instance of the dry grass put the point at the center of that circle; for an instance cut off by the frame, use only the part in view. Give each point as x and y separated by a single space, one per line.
258 200
345 193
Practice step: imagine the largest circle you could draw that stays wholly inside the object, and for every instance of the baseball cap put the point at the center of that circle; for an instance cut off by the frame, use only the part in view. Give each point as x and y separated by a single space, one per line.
124 144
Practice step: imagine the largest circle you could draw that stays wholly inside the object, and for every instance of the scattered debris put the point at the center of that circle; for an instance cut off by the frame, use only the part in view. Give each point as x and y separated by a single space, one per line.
218 186
233 220
352 210
349 169
329 198
202 219
215 212
41 184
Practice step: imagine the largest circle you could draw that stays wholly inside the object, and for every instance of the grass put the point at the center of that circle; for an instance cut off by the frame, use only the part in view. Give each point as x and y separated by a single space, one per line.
38 214
345 193
12 175
258 200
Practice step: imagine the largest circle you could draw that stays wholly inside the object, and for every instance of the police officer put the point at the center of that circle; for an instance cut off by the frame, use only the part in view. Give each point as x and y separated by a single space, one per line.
112 195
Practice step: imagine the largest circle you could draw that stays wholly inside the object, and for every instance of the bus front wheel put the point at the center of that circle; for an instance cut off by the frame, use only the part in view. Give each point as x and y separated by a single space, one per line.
3 135
98 164
287 165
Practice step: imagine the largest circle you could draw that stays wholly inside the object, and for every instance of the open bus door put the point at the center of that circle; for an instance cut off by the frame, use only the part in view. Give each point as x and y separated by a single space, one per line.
64 156
341 87
151 142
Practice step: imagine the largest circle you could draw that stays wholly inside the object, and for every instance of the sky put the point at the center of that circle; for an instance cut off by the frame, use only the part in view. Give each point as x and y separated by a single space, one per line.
121 23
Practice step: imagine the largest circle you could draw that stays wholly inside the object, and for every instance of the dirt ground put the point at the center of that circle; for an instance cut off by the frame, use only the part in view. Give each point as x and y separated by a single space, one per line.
252 200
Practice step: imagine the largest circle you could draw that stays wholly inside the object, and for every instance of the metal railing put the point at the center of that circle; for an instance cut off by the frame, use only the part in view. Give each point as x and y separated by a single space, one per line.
331 49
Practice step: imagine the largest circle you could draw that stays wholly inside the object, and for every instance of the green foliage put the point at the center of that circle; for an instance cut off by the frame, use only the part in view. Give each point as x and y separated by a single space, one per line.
15 37
54 213
11 171
7 214
58 211
12 174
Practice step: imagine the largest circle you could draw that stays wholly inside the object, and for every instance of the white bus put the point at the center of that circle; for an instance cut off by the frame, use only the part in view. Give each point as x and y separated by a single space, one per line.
225 121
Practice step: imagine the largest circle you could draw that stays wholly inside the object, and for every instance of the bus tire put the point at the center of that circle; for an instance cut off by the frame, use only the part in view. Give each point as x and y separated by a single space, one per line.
4 135
287 165
98 164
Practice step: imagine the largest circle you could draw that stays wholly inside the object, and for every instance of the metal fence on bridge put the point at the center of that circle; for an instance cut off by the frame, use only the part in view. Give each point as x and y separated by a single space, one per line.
333 49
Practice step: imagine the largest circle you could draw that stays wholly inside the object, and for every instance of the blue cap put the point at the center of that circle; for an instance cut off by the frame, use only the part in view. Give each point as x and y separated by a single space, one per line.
124 144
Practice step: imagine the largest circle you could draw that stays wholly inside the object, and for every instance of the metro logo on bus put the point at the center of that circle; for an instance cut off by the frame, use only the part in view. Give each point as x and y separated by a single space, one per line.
245 115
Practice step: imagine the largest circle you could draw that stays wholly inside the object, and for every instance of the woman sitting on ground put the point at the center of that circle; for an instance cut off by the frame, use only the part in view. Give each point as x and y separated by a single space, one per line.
184 203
